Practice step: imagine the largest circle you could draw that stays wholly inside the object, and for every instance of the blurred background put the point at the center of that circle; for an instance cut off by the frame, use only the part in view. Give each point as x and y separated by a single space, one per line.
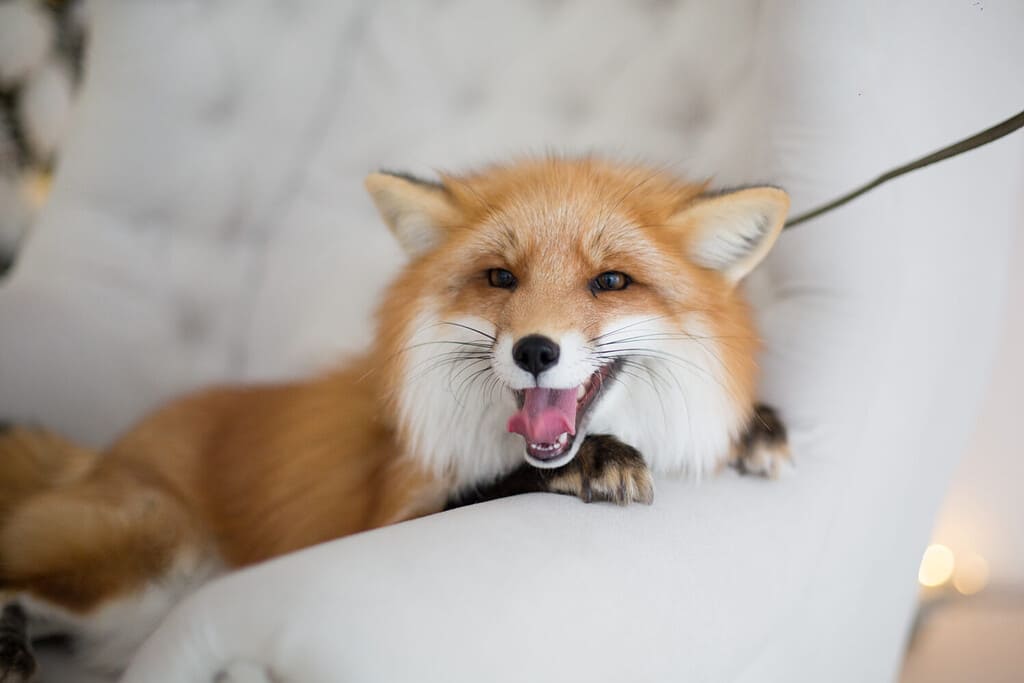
41 58
971 620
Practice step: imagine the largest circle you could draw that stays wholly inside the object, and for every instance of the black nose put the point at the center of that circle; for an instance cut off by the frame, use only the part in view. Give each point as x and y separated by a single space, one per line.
535 353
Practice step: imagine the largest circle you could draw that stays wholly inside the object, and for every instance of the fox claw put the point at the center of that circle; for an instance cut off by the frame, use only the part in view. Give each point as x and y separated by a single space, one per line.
605 470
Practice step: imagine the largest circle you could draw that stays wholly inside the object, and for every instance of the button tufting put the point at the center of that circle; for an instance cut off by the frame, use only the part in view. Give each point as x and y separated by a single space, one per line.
574 108
221 106
193 323
690 116
469 98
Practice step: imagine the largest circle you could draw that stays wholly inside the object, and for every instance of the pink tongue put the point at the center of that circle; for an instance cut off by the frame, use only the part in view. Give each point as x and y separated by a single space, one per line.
545 415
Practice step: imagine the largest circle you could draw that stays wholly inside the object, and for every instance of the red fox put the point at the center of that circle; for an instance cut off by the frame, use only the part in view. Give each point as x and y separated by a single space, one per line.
565 325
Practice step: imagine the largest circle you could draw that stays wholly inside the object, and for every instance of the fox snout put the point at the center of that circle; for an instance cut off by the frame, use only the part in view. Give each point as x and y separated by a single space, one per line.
535 353
555 387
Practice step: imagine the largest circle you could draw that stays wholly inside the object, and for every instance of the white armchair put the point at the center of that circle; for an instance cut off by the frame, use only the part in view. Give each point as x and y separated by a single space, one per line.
207 223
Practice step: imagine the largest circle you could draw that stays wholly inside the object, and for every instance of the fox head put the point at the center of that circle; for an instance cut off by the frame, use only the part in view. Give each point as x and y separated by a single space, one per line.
550 299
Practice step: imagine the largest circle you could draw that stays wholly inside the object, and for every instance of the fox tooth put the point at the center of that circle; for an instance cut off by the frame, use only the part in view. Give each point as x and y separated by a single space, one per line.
581 392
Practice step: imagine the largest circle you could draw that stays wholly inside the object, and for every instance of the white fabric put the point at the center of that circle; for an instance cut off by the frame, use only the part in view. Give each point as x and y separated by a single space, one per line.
208 223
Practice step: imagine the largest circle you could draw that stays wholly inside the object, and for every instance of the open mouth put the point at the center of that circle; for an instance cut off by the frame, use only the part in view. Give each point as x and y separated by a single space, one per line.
549 419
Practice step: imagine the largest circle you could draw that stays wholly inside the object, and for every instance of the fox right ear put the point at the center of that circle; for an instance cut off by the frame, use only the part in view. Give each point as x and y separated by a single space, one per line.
415 210
731 232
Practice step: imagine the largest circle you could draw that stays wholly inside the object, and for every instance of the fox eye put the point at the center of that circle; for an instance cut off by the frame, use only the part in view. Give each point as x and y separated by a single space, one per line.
499 277
610 281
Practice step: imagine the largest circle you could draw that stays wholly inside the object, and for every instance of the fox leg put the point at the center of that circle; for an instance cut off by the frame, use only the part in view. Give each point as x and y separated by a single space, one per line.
101 559
604 469
763 449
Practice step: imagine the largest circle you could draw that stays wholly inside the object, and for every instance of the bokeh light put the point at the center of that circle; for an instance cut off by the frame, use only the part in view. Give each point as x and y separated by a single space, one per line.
937 566
971 575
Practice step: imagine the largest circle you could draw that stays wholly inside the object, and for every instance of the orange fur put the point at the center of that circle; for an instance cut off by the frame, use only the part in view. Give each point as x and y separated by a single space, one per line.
248 473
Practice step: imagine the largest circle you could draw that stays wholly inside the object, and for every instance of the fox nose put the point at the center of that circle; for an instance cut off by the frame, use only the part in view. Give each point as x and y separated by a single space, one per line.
535 353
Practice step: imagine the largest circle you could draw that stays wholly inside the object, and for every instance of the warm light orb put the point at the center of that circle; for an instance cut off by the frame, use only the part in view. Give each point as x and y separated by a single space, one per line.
937 566
37 188
971 574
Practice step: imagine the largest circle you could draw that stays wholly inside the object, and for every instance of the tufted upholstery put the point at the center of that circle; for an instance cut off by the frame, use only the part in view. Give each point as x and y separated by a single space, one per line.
253 147
208 223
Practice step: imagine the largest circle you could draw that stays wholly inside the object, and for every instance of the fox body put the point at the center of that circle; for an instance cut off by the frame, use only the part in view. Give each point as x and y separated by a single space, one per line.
556 319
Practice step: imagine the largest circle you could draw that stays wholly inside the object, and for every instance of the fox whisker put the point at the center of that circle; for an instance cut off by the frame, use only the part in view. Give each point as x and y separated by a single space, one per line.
468 327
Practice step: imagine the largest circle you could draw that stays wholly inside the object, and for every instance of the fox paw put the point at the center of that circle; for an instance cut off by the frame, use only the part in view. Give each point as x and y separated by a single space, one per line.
604 470
17 665
763 450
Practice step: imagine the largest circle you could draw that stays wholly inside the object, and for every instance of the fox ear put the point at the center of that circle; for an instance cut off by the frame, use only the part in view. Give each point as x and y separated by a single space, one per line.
733 231
415 210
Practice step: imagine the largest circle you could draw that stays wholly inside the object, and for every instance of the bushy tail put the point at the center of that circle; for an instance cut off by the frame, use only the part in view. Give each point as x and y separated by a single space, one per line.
34 460
77 529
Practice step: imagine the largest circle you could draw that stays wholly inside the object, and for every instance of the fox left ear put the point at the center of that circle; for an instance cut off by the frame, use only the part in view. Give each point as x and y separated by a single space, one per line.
733 231
417 211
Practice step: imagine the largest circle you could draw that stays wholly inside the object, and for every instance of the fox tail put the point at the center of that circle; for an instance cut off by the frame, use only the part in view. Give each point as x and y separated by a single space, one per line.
33 460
